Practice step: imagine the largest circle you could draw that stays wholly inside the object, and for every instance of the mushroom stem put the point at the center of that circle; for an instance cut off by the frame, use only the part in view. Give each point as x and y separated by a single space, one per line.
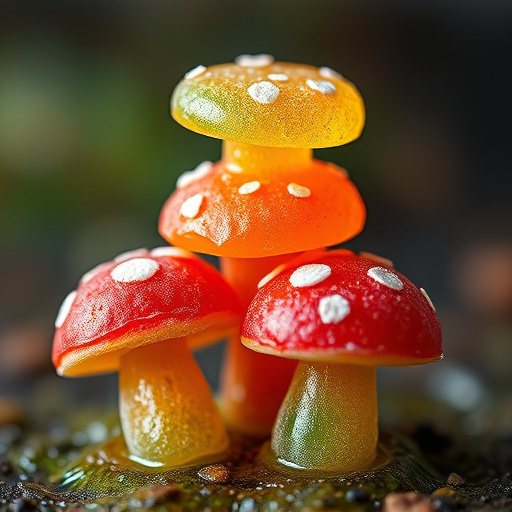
328 420
251 157
253 384
167 411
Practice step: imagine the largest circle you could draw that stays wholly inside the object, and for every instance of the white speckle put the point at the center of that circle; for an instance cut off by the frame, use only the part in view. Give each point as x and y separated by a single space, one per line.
329 73
60 371
263 92
309 275
198 70
298 190
65 309
237 153
378 259
190 176
278 77
135 253
256 61
430 303
231 167
138 269
322 86
170 251
333 309
386 277
191 206
249 188
350 346
204 109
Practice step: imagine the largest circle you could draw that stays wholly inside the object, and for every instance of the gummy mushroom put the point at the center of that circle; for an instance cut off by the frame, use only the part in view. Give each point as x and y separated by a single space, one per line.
141 314
267 199
341 316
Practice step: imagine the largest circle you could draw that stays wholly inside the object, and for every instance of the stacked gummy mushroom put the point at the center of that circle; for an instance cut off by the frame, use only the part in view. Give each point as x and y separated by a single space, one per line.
268 210
267 199
339 314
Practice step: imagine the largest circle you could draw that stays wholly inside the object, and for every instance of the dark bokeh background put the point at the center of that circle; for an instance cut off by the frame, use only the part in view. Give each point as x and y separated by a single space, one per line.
89 153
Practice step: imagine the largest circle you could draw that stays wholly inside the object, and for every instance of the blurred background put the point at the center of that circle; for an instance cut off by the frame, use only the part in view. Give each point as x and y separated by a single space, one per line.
89 153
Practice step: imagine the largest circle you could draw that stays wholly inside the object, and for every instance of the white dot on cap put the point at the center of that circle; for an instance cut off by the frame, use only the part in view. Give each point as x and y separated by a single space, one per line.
190 176
329 73
170 251
138 269
430 303
249 188
191 206
231 167
278 77
386 277
298 190
198 70
204 109
263 92
65 309
256 61
309 275
322 86
333 309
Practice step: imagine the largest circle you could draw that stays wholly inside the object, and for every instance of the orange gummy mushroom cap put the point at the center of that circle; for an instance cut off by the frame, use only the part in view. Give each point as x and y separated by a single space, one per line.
267 103
255 214
139 298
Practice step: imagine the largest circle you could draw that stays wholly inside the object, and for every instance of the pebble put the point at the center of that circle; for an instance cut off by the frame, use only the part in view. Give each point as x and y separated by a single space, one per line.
454 479
215 473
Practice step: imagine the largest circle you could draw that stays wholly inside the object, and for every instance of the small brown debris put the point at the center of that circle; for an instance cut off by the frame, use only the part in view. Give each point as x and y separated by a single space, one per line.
156 494
217 473
407 502
443 491
454 479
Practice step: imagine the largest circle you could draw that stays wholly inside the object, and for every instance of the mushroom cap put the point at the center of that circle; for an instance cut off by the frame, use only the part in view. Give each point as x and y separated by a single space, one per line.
271 211
339 307
141 297
262 102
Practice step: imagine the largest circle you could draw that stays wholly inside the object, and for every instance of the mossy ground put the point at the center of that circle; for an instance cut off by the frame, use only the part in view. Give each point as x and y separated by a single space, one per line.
49 471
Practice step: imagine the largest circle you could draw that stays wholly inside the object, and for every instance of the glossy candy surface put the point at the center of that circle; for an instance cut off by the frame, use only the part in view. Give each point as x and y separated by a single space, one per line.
166 407
140 298
346 309
263 212
277 104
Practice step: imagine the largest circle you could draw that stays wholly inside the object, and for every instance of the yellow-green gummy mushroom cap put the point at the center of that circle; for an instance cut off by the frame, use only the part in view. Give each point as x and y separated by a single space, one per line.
258 101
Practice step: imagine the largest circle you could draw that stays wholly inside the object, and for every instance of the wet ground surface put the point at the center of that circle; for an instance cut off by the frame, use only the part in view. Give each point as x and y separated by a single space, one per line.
62 469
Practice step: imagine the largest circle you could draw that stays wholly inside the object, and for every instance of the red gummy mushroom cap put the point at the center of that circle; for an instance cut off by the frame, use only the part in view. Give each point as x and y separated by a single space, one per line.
141 297
343 308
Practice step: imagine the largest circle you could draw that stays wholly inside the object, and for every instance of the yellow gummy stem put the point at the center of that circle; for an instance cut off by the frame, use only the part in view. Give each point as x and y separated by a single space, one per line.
252 158
167 411
328 420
